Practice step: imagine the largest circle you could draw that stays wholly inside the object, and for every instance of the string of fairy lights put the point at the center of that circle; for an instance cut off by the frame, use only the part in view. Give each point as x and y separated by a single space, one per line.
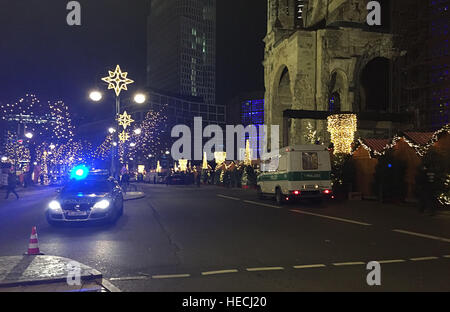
143 139
50 138
420 149
342 128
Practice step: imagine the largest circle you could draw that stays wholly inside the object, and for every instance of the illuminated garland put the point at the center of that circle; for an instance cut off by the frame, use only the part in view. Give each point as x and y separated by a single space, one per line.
342 128
421 150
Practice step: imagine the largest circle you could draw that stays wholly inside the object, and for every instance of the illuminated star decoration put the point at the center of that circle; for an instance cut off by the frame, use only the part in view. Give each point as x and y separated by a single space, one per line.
125 120
124 136
117 80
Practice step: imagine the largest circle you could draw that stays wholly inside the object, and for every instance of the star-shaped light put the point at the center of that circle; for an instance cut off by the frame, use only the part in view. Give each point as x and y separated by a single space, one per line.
125 120
124 136
117 80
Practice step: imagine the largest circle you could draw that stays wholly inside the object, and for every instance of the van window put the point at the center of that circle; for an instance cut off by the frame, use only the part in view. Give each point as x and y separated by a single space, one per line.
310 161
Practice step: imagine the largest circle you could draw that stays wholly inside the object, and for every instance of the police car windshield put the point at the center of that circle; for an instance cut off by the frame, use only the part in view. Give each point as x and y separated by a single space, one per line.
87 186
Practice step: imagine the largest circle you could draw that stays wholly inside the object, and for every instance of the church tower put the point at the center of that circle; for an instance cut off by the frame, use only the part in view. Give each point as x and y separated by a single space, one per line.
322 57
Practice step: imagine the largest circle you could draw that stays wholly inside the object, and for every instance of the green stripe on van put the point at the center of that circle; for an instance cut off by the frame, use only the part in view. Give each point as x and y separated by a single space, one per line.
296 176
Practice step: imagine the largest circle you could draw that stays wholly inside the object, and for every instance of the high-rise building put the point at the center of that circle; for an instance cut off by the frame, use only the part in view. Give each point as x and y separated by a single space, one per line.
422 29
181 51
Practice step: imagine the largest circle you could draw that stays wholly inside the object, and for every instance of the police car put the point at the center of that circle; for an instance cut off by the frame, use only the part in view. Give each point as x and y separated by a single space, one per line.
89 195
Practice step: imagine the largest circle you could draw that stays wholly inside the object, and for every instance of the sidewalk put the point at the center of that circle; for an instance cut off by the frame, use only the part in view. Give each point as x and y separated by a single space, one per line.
133 195
45 273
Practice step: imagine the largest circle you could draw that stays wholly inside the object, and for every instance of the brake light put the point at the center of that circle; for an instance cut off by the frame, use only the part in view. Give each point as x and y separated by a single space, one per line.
296 192
327 191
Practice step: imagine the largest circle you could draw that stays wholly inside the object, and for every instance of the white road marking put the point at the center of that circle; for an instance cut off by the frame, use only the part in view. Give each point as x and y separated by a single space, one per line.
109 286
220 272
423 258
171 276
446 256
265 269
348 263
261 204
442 239
329 217
309 266
228 197
129 278
390 261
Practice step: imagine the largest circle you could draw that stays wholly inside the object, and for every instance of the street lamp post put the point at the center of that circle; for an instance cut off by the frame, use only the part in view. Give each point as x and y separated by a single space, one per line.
118 81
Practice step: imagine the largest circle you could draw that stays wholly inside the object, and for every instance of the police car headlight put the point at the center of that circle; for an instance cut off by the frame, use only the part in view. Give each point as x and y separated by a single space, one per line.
55 206
103 204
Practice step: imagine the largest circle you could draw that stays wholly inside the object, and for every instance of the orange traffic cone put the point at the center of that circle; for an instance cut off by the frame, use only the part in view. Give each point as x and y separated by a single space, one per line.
33 245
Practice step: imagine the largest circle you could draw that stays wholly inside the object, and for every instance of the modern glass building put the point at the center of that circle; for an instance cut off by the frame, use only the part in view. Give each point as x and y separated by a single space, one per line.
247 109
182 52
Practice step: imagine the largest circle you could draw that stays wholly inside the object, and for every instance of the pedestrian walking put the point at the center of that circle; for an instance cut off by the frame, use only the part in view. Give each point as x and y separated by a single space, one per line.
125 181
198 178
11 188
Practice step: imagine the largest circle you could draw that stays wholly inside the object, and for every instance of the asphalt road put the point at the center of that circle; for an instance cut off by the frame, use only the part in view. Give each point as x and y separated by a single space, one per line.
181 238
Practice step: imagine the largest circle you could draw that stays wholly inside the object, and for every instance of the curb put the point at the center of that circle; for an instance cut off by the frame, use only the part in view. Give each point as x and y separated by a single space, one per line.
108 286
47 281
135 198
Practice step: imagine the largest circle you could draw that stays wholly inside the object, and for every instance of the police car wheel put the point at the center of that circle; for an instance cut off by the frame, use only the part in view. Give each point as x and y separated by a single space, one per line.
51 222
259 193
279 197
121 208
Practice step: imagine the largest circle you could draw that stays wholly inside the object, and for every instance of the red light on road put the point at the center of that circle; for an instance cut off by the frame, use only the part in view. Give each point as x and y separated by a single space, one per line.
326 191
296 192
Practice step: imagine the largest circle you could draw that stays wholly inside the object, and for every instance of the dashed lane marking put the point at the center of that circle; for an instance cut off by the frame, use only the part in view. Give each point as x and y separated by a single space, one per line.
171 276
423 258
261 269
348 263
220 272
228 197
129 278
309 266
329 217
265 269
442 239
390 261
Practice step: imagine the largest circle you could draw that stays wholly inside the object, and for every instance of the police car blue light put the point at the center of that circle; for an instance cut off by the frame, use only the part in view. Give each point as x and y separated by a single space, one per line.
79 172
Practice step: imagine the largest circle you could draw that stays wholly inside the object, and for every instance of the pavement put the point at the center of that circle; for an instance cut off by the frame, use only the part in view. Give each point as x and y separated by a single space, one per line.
46 273
184 238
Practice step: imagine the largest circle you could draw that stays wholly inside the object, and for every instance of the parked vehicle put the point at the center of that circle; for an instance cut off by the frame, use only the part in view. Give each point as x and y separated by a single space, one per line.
296 172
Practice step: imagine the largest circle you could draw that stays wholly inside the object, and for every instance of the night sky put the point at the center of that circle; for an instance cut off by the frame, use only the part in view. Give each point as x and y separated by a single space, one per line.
41 54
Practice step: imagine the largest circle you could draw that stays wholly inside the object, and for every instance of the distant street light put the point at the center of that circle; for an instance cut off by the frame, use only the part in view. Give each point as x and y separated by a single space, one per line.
29 135
96 96
137 131
52 146
114 143
140 98
132 144
111 130
4 158
167 152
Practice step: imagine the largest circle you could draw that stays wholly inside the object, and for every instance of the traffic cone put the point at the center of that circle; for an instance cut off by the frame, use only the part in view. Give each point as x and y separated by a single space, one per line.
33 245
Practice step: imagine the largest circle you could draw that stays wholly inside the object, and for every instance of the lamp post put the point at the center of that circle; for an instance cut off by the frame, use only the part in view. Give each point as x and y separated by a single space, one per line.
118 81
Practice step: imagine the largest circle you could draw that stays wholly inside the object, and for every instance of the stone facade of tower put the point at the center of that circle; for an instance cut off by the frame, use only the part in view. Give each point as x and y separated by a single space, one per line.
313 54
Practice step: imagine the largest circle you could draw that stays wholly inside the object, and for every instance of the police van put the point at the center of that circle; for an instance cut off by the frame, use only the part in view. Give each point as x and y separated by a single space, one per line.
296 172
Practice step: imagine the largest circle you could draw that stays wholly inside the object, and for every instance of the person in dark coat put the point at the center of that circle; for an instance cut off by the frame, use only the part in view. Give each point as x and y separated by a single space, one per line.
11 188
